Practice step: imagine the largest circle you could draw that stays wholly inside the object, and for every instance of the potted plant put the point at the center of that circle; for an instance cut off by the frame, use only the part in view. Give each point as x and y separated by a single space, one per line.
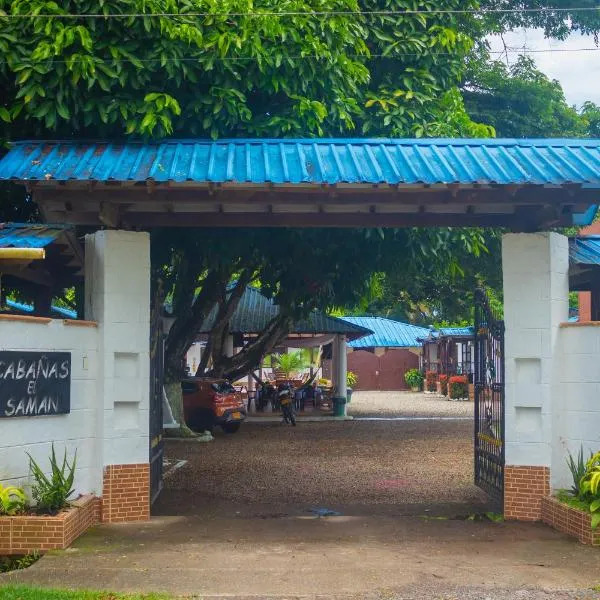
444 384
414 379
351 381
431 381
458 387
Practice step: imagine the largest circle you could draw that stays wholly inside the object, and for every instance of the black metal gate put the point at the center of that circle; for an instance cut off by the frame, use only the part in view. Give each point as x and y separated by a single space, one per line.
156 410
489 398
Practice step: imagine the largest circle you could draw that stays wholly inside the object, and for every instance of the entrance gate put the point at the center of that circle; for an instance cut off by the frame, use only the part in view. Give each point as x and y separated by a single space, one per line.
156 409
489 398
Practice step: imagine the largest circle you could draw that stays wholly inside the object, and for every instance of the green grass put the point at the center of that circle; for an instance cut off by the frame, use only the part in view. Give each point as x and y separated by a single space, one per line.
21 592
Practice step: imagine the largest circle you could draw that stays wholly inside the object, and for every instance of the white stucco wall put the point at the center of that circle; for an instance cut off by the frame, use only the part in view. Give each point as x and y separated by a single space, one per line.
74 431
576 398
109 419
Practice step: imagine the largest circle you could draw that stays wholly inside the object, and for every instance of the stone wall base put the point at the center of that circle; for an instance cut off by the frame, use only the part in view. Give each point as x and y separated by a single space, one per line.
126 493
569 520
29 533
524 489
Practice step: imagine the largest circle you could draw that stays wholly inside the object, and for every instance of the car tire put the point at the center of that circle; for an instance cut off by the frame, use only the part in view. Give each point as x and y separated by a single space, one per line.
203 420
231 427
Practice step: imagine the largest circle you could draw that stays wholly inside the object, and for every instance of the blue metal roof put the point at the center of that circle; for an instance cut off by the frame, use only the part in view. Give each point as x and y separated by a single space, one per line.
27 235
585 250
255 311
313 161
457 331
29 308
387 333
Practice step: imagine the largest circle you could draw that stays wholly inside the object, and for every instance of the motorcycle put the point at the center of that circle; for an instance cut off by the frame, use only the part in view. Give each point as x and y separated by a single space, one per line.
286 401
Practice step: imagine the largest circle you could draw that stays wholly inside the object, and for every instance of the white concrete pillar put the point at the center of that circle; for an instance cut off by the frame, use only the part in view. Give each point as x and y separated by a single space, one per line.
335 348
117 296
536 285
342 367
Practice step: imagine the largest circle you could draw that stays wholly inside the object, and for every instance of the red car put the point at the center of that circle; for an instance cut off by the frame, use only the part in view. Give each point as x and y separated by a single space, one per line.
210 402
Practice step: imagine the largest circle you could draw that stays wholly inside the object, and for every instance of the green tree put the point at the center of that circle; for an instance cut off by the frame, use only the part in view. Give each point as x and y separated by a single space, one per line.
519 101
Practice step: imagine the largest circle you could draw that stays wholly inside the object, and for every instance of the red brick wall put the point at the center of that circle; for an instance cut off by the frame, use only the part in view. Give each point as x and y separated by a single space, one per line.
126 493
570 521
24 534
524 489
585 306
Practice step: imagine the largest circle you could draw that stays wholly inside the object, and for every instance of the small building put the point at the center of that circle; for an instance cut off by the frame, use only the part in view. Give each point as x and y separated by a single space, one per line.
449 351
381 359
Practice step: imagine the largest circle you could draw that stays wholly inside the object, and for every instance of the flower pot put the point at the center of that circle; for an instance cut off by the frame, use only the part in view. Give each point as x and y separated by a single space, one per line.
415 388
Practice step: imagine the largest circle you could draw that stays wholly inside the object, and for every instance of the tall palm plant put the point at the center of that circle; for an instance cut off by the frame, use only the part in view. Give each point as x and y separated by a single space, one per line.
291 363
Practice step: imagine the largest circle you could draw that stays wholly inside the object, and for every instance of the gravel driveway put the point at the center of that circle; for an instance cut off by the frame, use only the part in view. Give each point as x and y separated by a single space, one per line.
406 467
406 404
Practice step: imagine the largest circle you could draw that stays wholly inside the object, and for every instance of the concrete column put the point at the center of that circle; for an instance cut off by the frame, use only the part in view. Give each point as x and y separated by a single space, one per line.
117 296
335 348
536 286
342 367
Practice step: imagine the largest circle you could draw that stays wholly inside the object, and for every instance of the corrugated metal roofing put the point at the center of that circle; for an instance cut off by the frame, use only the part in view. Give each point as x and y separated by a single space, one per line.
314 161
255 311
585 250
466 331
29 308
27 235
387 333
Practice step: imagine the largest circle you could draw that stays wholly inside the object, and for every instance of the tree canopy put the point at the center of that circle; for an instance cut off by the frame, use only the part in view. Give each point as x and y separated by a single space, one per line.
241 68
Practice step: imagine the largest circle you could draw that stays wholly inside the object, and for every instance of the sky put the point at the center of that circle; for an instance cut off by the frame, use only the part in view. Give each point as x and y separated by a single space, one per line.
578 72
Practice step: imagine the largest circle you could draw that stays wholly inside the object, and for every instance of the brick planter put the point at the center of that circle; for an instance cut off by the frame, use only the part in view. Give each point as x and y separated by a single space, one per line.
569 520
24 534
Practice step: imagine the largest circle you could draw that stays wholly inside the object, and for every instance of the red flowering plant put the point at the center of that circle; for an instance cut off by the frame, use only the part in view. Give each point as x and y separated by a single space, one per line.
444 384
431 381
458 387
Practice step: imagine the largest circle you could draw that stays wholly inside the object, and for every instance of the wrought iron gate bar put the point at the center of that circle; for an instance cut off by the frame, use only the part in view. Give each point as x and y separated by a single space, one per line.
489 398
156 410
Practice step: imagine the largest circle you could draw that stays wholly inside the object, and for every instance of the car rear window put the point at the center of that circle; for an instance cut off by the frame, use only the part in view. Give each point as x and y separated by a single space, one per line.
223 387
188 387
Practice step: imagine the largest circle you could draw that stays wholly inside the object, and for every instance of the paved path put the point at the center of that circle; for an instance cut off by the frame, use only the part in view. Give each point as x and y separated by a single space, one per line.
302 556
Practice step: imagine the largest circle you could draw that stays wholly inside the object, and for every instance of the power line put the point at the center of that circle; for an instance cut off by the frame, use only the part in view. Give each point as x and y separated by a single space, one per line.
323 13
317 56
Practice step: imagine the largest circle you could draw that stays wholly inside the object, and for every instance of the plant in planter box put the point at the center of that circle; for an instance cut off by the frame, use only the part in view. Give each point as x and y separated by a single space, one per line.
51 494
12 501
585 492
444 385
414 379
431 381
589 487
458 387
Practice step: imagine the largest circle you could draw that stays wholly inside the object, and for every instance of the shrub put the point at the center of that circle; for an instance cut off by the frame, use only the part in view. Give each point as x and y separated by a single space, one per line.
351 379
444 384
577 468
12 500
458 387
431 381
52 494
413 378
585 493
589 487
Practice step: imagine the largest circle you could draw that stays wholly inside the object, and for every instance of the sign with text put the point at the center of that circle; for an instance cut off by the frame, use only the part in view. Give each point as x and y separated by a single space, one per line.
34 384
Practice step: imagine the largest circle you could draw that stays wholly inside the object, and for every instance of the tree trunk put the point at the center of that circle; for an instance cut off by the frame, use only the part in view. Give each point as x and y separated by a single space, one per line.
249 358
189 318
